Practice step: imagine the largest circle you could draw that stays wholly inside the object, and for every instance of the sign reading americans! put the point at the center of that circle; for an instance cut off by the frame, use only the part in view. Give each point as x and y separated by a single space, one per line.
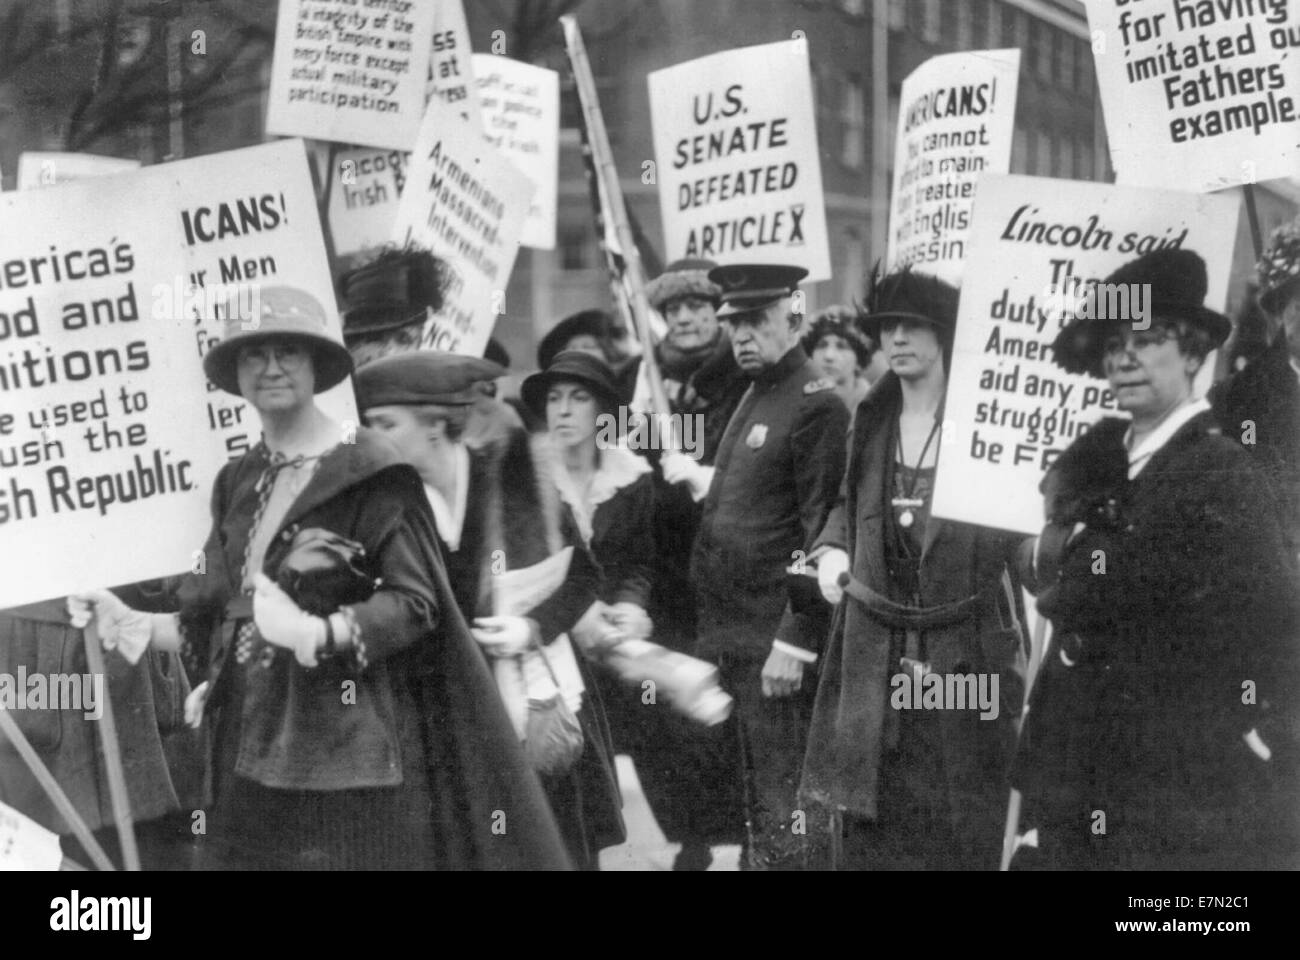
1199 94
956 123
1039 251
736 158
110 436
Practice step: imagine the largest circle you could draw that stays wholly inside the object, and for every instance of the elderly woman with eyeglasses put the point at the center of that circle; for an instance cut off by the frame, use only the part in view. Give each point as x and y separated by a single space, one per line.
323 616
1153 739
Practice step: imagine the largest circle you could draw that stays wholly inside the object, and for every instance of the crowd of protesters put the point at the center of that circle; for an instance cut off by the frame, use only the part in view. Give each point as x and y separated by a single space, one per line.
345 682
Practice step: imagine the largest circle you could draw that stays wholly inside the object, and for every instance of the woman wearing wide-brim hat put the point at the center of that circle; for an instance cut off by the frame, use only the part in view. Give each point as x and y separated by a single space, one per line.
1152 739
318 760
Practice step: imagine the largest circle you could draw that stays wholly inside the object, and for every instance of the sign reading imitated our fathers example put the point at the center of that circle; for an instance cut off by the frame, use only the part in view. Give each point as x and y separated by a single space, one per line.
40 169
466 203
520 106
1039 251
350 72
1199 94
737 161
955 124
108 299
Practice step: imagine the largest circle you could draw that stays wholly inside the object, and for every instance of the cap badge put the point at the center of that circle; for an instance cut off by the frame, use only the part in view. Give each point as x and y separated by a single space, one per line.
757 436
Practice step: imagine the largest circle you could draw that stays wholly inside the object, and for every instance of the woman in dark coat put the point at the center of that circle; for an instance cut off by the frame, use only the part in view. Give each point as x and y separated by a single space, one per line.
497 512
320 756
1155 737
911 788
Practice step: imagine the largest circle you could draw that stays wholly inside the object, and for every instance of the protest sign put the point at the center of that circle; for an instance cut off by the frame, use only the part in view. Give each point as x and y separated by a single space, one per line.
520 107
451 72
108 299
736 158
466 203
1199 94
955 123
25 844
364 192
1036 247
349 73
40 169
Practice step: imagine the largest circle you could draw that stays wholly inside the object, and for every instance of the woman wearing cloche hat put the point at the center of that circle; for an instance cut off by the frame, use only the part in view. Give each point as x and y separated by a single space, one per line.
1152 740
321 573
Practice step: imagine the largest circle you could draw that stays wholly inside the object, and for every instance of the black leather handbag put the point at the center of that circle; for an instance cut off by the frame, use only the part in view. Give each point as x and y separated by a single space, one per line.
322 571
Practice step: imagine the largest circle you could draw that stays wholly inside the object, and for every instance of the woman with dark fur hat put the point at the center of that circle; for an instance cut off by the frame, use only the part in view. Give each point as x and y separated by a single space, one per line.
836 343
1155 737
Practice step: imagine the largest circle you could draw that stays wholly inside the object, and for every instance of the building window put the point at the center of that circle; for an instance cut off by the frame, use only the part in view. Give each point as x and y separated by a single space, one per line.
994 25
854 119
1019 152
1065 158
1083 159
1042 160
1086 69
898 15
930 21
1046 49
1065 61
964 25
1021 24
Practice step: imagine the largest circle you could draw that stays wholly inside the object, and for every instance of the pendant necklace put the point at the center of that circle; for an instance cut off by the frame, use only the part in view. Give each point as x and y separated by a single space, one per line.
910 502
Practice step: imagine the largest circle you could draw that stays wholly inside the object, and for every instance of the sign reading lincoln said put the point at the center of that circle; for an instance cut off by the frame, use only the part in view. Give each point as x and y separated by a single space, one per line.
1040 250
737 161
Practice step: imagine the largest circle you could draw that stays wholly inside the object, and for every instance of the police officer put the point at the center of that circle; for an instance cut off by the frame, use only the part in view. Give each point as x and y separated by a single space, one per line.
778 468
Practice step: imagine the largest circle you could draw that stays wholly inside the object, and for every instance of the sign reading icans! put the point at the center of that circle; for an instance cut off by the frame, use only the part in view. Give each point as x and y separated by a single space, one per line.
737 160
108 299
466 203
1039 250
956 123
350 73
1199 94
521 117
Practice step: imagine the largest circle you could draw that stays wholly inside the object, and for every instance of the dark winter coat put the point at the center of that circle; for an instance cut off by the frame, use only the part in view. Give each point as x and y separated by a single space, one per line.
423 695
778 467
1132 758
853 722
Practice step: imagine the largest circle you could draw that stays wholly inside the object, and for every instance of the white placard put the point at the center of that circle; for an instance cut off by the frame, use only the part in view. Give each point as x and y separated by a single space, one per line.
25 844
365 189
1035 243
451 71
41 169
520 107
737 161
466 203
1199 94
955 123
350 72
110 437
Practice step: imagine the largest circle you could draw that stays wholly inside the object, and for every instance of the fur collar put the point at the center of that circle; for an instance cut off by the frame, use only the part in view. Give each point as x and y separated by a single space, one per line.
619 467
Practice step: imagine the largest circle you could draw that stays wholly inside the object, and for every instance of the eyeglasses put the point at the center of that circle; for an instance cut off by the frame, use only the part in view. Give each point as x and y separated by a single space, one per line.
1116 345
289 357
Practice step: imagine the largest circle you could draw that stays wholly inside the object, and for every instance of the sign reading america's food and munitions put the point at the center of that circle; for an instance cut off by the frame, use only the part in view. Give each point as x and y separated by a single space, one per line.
1199 94
955 123
108 300
520 107
737 161
1039 251
350 72
467 203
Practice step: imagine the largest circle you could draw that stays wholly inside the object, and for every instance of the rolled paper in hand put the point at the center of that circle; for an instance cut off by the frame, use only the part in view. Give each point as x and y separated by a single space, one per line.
688 684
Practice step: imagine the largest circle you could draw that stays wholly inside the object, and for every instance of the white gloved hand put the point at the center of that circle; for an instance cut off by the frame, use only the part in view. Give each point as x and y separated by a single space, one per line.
679 468
830 565
282 623
120 628
194 705
632 620
504 636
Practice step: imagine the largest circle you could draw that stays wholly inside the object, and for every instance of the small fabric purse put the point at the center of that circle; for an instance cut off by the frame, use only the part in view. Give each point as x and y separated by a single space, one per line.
553 737
323 571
